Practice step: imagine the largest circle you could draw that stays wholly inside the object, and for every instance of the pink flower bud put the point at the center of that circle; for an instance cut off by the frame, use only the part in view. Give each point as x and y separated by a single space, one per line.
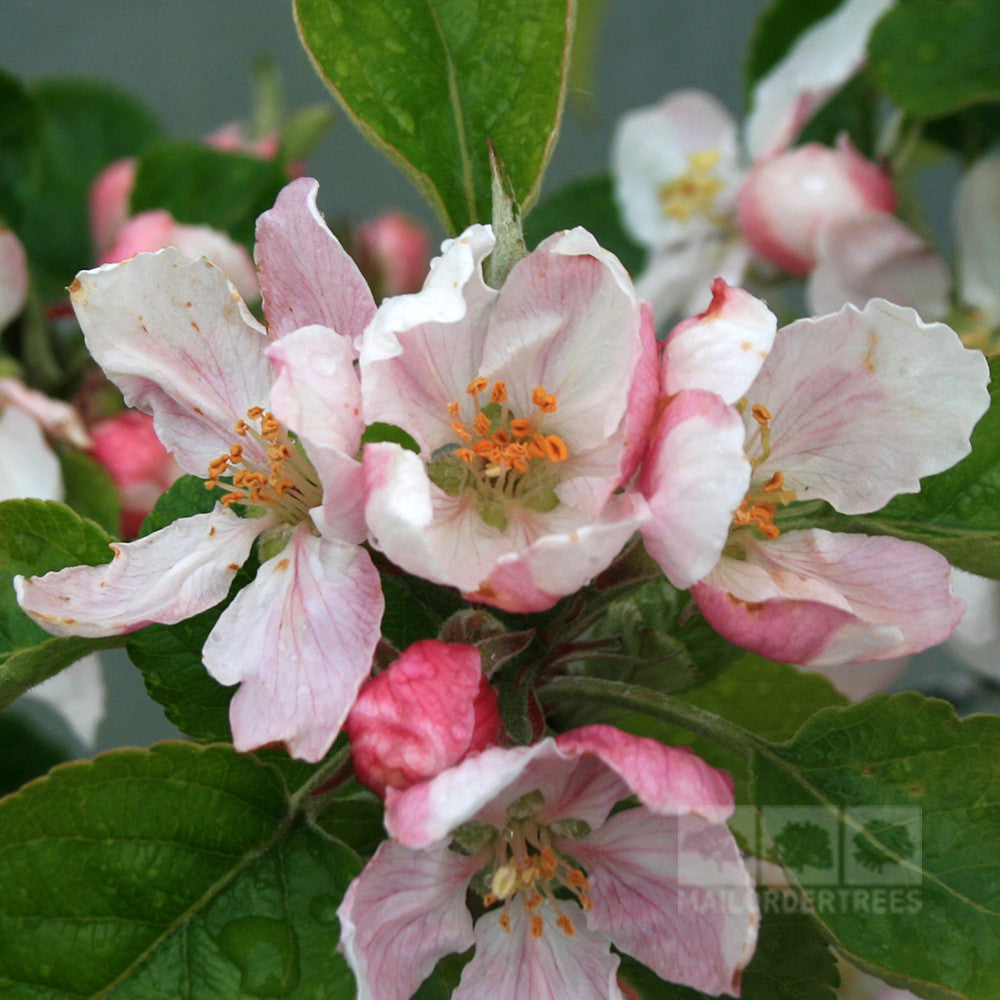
428 711
127 446
109 203
394 254
156 229
786 200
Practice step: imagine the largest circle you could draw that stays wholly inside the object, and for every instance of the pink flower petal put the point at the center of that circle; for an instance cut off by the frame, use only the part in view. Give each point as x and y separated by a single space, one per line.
643 397
421 351
722 349
428 711
300 641
306 276
667 780
174 338
165 577
694 476
561 562
28 466
316 390
874 255
563 308
977 250
13 277
866 402
402 914
673 893
822 58
54 416
820 599
517 965
109 199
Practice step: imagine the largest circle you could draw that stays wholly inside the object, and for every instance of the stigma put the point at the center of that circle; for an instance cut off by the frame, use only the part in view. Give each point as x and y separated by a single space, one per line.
287 485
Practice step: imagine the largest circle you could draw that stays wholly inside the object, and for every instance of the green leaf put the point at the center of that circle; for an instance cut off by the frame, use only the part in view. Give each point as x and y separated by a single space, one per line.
588 203
430 82
956 512
84 126
776 30
792 962
38 536
24 753
199 185
176 871
904 799
970 132
934 58
406 620
19 132
90 490
378 431
17 630
187 496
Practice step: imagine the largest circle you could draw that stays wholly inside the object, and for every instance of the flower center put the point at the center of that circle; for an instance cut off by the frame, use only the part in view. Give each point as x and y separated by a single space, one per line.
694 191
763 499
525 866
502 457
289 487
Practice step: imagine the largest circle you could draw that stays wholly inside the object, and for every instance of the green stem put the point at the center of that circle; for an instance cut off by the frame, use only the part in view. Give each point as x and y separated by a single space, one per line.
639 699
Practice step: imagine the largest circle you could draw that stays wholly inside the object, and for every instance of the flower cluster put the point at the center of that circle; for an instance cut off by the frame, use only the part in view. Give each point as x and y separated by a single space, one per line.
545 429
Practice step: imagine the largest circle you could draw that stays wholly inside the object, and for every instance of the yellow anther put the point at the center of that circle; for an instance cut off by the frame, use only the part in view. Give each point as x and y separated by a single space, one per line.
466 455
242 428
504 883
566 925
255 412
774 484
585 901
556 448
705 159
543 400
476 386
454 410
489 899
577 880
534 901
236 451
761 413
520 427
481 425
505 921
537 925
459 428
499 393
234 497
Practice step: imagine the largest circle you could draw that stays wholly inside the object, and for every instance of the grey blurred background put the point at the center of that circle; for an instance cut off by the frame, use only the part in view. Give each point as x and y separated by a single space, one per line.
190 61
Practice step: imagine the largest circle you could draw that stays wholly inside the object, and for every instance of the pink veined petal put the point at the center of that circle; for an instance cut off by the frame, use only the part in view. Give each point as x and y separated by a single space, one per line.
561 562
306 276
667 780
562 309
28 466
677 280
823 57
519 966
316 390
643 396
54 416
421 351
821 599
402 914
722 349
674 893
866 402
694 476
13 276
171 334
299 640
874 255
430 709
651 148
165 577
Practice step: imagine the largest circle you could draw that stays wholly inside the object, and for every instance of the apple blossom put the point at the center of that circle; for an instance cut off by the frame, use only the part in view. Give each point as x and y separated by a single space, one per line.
787 199
529 831
427 711
393 253
525 430
178 341
843 408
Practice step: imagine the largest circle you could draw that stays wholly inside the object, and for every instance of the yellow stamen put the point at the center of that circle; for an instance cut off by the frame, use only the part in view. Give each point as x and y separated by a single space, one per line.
566 925
505 921
537 925
476 386
499 393
761 413
454 410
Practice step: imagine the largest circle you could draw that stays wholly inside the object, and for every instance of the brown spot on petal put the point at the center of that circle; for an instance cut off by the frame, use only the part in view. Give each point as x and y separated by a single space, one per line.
76 287
211 531
234 566
746 345
868 360
195 326
282 566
